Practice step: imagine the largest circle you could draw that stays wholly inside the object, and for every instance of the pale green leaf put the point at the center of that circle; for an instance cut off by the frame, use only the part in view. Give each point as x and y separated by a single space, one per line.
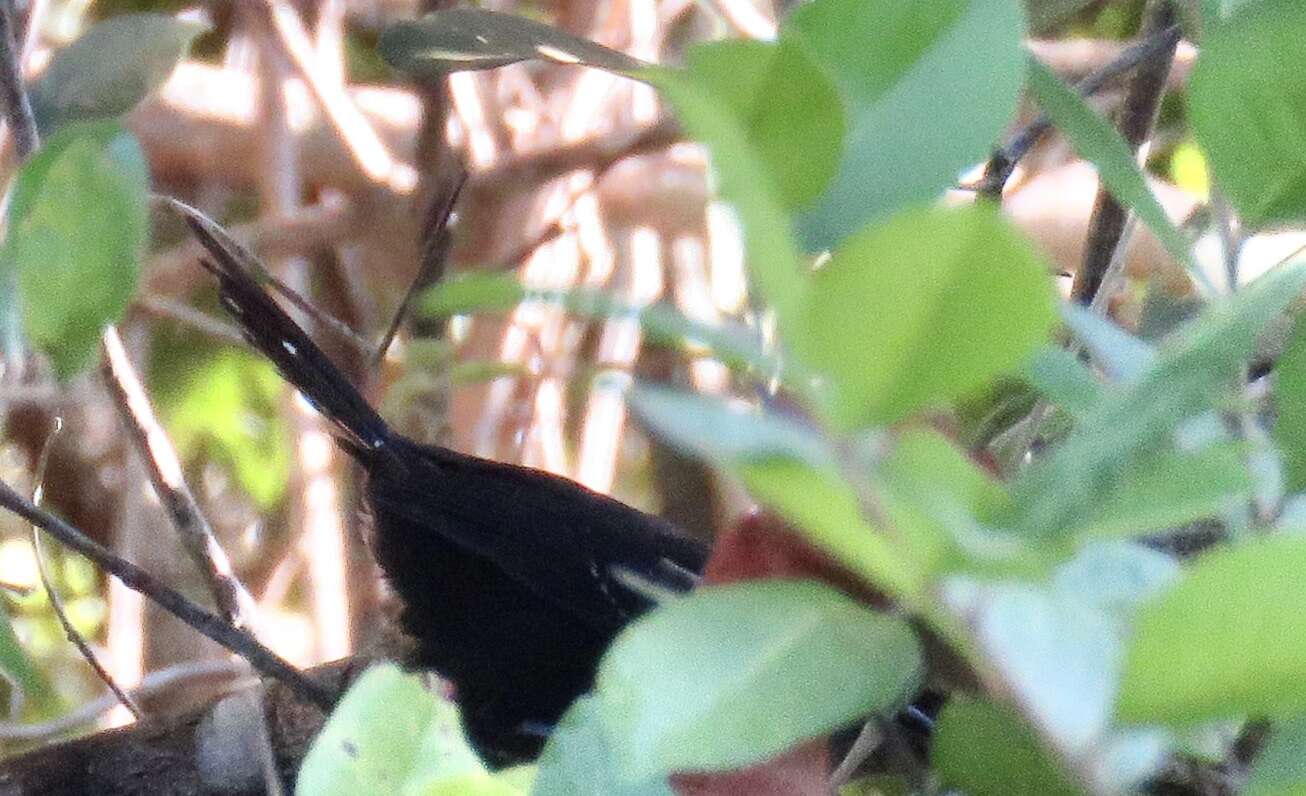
757 668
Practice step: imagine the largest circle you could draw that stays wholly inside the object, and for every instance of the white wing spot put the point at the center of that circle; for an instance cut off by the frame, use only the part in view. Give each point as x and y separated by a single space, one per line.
554 54
290 348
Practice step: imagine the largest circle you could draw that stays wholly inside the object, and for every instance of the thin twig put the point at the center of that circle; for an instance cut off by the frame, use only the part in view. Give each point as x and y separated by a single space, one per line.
56 603
435 251
1142 104
174 602
161 461
154 683
1003 162
173 310
17 107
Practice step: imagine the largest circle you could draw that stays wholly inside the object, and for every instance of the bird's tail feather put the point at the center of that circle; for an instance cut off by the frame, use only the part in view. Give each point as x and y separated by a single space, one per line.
268 328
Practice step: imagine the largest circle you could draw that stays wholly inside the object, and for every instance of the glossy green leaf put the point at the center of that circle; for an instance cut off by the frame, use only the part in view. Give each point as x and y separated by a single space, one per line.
1247 104
745 181
579 760
1169 490
733 344
711 429
985 749
789 108
392 735
110 68
757 668
923 101
1280 768
78 224
1194 372
1228 640
1100 144
460 39
1290 403
921 310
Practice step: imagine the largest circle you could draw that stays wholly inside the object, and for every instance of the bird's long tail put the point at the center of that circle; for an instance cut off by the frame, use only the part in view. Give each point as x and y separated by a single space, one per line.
268 328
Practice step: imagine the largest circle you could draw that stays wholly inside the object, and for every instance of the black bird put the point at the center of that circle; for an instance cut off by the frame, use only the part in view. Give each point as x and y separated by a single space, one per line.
513 581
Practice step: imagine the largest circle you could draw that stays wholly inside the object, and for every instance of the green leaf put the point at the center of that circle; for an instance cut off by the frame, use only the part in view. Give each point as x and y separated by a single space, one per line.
733 344
709 428
78 224
923 101
1228 640
1280 768
1290 403
1100 143
32 689
789 108
461 39
1058 654
745 181
392 735
1064 380
579 760
1045 15
226 409
110 68
923 309
1116 576
825 508
1123 357
1171 489
757 668
1196 367
1247 104
984 749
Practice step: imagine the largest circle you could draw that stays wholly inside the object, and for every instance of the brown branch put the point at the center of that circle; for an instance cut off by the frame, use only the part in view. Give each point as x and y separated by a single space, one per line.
164 468
17 107
174 602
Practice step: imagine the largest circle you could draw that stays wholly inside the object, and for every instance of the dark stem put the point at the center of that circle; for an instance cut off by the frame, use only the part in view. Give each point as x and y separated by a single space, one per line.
1148 50
1138 117
17 107
207 623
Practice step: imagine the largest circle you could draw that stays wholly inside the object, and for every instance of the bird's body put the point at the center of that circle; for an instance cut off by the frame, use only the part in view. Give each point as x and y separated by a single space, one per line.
514 581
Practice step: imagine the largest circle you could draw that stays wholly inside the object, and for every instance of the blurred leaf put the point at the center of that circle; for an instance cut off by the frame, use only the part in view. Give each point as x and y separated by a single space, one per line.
1290 405
1059 654
743 180
759 667
1171 489
391 735
733 344
825 508
1116 575
579 759
1122 356
1045 15
923 100
1247 105
34 692
227 408
1065 381
711 429
984 749
1228 640
1099 143
110 68
789 108
460 39
1193 373
78 224
1280 767
920 310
